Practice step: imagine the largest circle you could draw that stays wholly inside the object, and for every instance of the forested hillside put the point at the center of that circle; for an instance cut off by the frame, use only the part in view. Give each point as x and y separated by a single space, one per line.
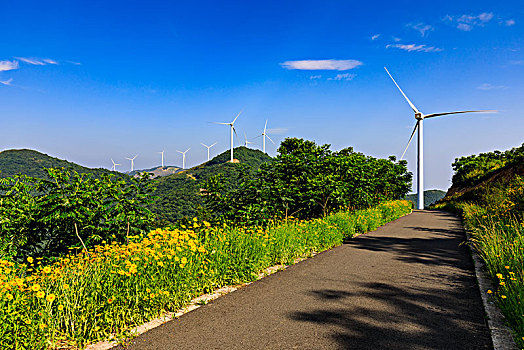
179 195
33 163
430 197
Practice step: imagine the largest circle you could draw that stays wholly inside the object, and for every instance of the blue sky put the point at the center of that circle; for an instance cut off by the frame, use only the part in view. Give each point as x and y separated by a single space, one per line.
90 81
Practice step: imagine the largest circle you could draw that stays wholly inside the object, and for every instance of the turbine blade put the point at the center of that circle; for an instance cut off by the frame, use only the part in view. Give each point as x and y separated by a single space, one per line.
213 144
265 126
234 130
222 123
403 94
234 120
270 139
411 138
459 112
187 149
256 137
204 145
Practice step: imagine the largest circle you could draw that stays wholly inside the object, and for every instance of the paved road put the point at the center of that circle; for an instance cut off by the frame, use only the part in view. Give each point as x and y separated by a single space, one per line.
408 285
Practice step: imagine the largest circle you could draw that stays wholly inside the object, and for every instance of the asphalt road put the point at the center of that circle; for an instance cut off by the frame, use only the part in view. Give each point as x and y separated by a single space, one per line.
407 285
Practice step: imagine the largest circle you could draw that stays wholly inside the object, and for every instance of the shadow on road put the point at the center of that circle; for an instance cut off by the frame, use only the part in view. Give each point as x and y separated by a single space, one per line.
399 318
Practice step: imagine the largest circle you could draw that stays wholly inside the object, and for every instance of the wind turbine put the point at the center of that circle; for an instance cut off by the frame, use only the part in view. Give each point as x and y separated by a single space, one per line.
162 153
246 143
264 135
113 168
132 162
208 147
184 157
419 116
232 125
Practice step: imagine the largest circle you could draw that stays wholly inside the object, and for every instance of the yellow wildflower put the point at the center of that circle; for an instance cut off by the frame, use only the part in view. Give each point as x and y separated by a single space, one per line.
40 294
50 298
47 269
35 287
60 307
30 260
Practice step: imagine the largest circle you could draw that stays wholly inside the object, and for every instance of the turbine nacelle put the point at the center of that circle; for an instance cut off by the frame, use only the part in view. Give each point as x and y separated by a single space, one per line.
419 116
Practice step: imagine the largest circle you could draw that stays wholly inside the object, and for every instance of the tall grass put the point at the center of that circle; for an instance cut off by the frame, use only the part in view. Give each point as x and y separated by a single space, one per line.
86 297
499 240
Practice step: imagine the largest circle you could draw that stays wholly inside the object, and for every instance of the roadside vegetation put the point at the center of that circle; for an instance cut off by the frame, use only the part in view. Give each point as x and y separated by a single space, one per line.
82 258
488 190
104 293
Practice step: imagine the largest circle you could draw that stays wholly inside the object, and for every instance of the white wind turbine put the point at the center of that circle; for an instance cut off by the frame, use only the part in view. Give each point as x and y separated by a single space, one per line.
208 147
246 143
132 162
264 135
162 153
113 168
184 157
232 125
419 116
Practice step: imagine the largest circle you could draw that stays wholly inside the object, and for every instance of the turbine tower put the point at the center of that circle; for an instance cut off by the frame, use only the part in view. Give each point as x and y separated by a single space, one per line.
162 153
246 143
208 147
184 157
132 162
232 125
264 135
113 168
419 116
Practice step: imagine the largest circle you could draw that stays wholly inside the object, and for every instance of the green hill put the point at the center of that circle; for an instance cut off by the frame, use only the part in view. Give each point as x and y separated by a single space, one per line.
430 197
33 163
179 194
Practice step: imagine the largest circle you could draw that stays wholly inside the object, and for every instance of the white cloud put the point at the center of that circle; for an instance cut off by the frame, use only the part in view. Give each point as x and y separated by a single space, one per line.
396 39
414 47
422 28
345 76
517 62
313 77
8 65
6 82
322 64
37 61
375 37
277 131
487 86
468 22
509 22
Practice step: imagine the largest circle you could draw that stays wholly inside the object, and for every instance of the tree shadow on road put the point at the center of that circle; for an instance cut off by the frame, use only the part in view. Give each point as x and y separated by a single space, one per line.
390 317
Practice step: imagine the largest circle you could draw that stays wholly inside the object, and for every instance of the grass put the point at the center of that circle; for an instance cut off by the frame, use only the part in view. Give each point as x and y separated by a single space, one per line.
83 298
498 238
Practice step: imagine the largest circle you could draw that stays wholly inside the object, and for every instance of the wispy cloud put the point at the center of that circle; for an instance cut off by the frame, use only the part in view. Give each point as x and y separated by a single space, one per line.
509 22
487 86
314 77
517 62
414 47
37 61
277 131
8 65
375 37
395 39
6 82
345 76
468 22
422 28
322 64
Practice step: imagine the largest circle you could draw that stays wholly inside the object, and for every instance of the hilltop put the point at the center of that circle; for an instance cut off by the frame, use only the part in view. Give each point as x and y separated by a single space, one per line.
157 171
179 194
33 163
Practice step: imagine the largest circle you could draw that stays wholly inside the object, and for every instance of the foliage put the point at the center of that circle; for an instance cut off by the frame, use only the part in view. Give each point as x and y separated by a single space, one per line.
83 298
44 218
473 169
306 181
489 193
179 196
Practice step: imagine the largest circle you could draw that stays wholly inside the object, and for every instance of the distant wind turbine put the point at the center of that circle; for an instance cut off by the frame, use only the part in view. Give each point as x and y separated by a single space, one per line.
246 143
419 116
132 162
184 157
162 153
264 135
113 168
232 125
208 147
